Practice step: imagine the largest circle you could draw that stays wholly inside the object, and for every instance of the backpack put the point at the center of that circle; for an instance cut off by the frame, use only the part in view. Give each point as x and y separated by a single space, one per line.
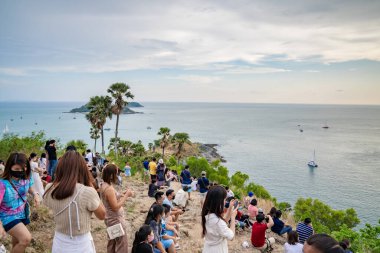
161 173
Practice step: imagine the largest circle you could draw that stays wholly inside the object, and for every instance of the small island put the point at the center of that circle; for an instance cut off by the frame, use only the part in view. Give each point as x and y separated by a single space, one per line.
127 110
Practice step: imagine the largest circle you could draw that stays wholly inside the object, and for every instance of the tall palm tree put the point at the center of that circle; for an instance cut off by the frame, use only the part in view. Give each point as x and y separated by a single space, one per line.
94 134
165 138
180 139
100 110
120 92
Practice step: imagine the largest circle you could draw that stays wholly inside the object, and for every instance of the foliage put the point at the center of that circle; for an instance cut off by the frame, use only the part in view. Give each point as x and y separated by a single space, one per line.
138 148
100 110
284 206
259 190
239 179
80 145
325 219
180 139
120 93
365 240
165 138
26 144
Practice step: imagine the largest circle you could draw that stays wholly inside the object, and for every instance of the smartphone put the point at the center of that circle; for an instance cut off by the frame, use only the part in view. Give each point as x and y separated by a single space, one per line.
236 204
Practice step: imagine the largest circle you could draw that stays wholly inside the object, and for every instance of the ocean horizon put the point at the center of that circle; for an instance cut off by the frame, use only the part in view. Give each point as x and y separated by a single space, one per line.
259 139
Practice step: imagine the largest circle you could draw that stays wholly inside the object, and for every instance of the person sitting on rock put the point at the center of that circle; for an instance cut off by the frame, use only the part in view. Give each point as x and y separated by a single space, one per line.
247 199
153 188
253 211
175 212
305 230
259 228
279 226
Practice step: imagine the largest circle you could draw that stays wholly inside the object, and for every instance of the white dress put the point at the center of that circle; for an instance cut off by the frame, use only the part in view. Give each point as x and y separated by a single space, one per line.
38 186
217 234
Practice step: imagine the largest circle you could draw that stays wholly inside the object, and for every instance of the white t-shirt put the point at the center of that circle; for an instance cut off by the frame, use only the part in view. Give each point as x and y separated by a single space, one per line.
293 248
89 157
42 163
194 185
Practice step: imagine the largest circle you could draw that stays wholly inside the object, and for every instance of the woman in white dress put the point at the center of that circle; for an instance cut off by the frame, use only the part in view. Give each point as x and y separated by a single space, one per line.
38 186
215 226
42 162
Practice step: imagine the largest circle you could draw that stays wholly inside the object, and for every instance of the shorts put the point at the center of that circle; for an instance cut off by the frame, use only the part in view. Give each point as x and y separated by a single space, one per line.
188 186
167 243
146 172
153 177
13 223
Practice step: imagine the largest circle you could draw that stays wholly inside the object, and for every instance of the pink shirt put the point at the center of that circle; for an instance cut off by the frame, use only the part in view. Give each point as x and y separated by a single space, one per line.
252 211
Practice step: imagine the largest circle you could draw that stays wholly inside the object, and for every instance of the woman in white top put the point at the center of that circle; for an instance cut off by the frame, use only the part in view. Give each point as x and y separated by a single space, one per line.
42 162
215 226
38 186
293 245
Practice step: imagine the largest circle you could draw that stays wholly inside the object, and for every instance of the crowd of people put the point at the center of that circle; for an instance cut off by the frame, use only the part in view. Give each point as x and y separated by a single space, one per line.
77 187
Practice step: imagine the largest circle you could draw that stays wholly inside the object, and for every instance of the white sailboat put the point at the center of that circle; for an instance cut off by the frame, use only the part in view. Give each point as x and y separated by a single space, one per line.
313 163
6 129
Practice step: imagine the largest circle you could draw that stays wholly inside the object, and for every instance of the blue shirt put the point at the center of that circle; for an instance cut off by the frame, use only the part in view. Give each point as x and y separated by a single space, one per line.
203 184
304 231
146 165
186 177
278 225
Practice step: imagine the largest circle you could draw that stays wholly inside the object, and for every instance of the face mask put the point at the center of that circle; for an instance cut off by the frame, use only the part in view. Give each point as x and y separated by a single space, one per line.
18 174
173 197
150 238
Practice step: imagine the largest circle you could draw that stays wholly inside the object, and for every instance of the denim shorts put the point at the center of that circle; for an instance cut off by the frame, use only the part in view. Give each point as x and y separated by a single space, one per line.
167 243
13 223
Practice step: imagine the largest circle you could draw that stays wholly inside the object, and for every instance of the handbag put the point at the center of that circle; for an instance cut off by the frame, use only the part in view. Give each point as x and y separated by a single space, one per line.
115 231
27 206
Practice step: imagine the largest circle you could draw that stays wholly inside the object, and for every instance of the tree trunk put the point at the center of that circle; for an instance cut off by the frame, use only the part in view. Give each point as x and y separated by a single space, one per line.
117 126
102 134
95 146
163 152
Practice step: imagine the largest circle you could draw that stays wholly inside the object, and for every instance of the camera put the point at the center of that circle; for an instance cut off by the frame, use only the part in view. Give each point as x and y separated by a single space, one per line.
267 219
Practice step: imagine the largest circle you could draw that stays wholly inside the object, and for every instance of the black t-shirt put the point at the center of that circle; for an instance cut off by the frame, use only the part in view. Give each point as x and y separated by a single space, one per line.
143 248
51 152
152 190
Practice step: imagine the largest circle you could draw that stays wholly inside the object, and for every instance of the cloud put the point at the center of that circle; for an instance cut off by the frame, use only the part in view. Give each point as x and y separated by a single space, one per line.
196 78
92 37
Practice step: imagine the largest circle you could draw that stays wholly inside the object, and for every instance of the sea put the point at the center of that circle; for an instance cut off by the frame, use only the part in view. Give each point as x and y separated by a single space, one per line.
264 141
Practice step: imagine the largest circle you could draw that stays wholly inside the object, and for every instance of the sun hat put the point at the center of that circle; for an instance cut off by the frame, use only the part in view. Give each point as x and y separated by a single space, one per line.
160 161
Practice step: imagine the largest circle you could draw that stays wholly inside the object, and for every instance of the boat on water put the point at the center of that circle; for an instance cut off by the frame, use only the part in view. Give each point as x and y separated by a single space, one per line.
313 163
107 129
148 128
6 129
325 126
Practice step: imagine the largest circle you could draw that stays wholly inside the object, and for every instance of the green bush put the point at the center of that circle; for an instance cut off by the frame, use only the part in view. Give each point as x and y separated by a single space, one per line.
325 219
26 144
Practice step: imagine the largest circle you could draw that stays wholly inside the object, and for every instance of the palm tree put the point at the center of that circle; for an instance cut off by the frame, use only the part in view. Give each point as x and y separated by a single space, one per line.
119 92
165 138
138 148
94 134
100 110
180 139
150 146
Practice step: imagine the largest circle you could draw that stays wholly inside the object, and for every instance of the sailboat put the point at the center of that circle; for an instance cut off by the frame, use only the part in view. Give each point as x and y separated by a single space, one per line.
325 126
312 163
6 129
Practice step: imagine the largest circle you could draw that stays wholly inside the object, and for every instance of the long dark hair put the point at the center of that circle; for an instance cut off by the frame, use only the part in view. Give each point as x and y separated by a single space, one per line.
20 159
152 214
324 243
141 236
109 174
293 237
214 203
71 169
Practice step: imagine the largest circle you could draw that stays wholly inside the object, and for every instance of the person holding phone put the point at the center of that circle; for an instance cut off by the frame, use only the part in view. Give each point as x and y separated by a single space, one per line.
215 227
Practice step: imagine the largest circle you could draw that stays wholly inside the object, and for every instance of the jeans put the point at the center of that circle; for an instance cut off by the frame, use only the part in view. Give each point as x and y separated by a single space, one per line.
285 229
51 168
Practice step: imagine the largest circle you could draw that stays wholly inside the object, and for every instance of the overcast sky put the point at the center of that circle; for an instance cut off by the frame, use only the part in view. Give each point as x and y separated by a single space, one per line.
325 52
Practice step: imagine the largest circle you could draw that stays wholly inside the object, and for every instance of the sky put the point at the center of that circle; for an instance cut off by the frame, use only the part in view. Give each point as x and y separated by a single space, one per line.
244 51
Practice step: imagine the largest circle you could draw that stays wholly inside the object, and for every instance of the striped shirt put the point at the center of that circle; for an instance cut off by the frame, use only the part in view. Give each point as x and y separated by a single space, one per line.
304 231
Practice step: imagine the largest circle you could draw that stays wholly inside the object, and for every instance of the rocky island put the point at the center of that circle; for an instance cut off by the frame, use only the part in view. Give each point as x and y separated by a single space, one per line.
127 110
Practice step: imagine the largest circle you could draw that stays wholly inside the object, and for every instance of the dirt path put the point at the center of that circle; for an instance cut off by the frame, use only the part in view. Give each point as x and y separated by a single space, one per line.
136 208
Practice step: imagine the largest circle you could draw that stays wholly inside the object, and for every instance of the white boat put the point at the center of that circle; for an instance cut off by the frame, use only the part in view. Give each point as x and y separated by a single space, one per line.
6 129
313 163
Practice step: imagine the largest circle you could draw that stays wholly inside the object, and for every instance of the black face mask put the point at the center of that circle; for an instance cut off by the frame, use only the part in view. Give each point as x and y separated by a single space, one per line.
18 174
173 197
